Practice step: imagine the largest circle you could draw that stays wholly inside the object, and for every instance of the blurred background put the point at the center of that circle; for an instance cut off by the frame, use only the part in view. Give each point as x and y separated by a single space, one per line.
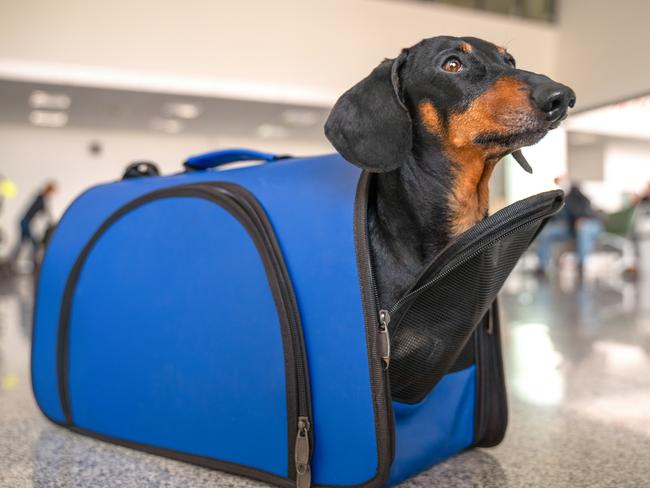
88 87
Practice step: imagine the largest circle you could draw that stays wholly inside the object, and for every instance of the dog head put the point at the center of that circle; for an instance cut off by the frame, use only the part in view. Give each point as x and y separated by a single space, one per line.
465 95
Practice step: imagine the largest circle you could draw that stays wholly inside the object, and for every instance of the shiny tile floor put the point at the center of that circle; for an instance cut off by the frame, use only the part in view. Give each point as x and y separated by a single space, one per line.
578 361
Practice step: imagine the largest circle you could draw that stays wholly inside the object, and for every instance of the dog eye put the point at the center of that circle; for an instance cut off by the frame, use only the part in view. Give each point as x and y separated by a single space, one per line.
452 65
511 61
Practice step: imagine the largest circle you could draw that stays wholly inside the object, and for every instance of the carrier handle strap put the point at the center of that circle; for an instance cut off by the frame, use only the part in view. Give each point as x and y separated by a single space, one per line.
218 158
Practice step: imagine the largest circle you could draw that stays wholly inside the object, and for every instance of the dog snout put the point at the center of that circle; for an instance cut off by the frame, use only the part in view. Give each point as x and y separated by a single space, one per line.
554 100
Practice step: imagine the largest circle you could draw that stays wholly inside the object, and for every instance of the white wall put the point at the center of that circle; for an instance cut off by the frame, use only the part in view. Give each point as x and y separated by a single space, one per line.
30 156
306 51
548 159
626 172
602 49
300 50
587 162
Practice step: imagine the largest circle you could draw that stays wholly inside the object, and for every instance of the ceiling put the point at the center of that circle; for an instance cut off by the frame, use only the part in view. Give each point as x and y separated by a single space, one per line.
99 108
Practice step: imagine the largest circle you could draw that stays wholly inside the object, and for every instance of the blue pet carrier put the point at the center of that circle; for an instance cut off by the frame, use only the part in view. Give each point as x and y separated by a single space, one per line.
228 319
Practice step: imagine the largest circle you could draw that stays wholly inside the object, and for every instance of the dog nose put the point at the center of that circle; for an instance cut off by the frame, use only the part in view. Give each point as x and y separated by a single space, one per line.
554 100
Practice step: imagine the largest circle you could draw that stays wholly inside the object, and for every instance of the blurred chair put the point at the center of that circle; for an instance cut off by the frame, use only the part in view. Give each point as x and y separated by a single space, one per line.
618 236
617 239
641 231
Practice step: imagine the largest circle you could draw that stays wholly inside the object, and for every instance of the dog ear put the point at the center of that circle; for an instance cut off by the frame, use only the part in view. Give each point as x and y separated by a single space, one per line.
370 125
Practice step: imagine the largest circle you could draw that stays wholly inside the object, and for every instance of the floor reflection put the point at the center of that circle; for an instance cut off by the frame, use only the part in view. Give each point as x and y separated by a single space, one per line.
578 364
536 374
581 346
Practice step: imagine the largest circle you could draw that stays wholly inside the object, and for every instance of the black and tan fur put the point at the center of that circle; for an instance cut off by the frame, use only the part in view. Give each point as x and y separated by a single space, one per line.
433 136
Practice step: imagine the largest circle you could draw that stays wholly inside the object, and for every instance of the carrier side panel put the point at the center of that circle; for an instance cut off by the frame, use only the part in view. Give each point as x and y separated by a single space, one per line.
76 227
174 338
310 203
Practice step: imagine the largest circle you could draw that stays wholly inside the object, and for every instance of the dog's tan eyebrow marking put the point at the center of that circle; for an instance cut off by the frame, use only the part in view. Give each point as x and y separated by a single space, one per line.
430 117
502 50
466 47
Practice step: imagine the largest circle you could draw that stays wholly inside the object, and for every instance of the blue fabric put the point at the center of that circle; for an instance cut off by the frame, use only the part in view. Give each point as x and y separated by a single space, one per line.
434 429
155 347
310 204
146 367
76 227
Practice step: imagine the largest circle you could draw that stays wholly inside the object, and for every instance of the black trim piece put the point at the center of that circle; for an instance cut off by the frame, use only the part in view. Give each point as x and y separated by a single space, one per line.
480 414
244 207
379 379
491 419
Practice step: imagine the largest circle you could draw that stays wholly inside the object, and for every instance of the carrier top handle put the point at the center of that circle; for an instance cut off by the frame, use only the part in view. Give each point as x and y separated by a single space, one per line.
218 158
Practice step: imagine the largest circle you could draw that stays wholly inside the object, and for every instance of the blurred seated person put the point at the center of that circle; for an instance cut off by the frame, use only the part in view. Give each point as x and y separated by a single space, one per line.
577 221
38 207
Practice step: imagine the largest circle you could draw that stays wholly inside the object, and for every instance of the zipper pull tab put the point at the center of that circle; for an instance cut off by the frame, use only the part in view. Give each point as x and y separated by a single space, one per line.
384 338
302 454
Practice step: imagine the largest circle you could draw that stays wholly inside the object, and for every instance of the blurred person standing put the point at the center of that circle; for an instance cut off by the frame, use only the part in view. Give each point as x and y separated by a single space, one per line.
38 207
7 190
577 221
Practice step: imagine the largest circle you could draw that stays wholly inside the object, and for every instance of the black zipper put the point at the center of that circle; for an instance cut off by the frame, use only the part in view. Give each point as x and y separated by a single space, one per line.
304 438
244 207
491 395
482 234
377 337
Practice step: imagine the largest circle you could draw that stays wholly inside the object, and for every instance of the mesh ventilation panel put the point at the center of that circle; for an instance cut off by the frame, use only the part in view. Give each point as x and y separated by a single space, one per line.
433 322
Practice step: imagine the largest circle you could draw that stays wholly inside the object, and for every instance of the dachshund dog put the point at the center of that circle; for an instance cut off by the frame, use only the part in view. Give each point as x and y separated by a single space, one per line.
433 123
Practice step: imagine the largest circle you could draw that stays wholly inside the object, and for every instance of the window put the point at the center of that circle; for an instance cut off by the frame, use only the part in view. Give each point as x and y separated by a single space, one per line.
530 9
